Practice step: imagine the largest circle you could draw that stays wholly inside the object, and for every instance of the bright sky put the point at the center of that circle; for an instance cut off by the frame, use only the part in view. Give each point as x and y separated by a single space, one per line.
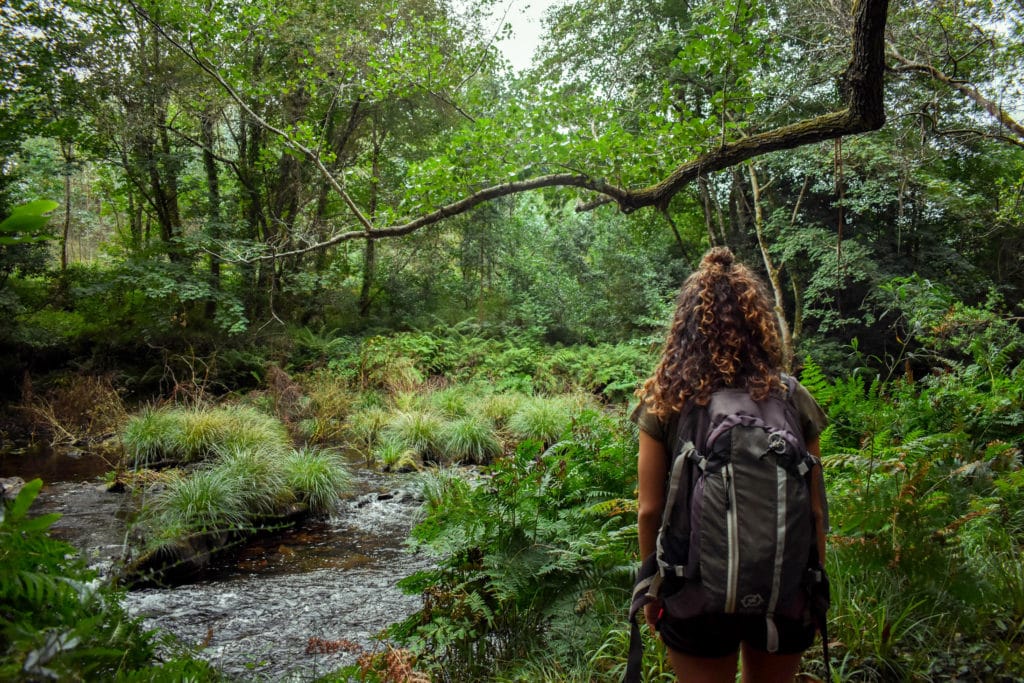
525 18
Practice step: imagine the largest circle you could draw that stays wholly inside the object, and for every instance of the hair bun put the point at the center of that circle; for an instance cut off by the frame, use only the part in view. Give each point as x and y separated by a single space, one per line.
718 257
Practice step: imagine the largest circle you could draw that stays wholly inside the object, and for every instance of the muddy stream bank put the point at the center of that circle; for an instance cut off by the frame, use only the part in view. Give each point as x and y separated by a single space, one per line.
266 609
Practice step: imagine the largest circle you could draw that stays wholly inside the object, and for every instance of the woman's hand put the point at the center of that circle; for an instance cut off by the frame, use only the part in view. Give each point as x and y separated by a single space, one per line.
652 613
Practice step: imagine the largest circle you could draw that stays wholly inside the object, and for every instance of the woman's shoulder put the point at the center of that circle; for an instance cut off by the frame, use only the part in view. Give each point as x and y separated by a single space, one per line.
813 418
650 422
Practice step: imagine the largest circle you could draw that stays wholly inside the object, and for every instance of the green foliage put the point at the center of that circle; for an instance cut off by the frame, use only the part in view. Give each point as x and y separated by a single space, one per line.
25 223
395 455
419 431
365 425
524 552
208 499
265 479
541 419
924 479
59 621
400 363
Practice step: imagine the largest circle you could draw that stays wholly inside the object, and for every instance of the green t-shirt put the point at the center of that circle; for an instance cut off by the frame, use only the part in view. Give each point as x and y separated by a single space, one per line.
812 419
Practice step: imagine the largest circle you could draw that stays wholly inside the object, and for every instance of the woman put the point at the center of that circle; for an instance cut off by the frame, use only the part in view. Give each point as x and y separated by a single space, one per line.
724 335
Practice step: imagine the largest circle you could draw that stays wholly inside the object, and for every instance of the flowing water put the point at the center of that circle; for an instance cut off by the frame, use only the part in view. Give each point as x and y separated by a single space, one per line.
288 606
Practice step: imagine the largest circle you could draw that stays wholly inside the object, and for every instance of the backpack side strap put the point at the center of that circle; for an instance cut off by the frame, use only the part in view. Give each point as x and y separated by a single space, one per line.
680 480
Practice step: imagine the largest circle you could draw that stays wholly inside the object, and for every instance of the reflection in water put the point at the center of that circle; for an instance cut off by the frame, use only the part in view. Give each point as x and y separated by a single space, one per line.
41 461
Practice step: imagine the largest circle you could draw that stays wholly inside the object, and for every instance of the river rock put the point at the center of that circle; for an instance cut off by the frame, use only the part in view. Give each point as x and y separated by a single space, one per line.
10 487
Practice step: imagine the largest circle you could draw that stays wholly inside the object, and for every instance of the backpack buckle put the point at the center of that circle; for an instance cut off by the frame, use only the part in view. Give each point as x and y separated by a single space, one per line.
776 444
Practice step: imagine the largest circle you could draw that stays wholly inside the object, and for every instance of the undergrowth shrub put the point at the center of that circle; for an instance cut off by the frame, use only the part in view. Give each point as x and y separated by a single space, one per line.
331 402
925 482
419 431
263 478
499 408
542 419
469 440
208 499
77 407
395 455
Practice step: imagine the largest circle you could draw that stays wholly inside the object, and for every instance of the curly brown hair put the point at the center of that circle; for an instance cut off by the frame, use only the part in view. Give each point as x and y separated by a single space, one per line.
724 334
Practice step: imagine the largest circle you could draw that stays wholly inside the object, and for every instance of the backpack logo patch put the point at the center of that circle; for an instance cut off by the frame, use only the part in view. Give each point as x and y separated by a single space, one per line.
752 601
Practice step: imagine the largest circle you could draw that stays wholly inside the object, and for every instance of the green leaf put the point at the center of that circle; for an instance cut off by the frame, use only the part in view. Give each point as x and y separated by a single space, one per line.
35 208
27 218
24 500
40 523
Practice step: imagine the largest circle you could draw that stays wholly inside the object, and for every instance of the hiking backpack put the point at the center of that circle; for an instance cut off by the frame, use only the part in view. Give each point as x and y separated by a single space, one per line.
737 534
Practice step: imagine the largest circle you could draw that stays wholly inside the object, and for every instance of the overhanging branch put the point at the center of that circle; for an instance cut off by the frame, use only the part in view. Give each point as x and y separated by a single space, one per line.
861 85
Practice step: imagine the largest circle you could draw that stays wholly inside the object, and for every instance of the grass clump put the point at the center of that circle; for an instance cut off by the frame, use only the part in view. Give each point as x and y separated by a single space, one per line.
443 487
450 402
209 499
152 435
470 439
417 430
183 435
364 427
331 401
317 477
394 455
499 408
261 476
541 419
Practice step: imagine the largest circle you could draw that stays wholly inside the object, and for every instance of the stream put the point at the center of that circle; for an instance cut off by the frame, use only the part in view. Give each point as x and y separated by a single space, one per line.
289 606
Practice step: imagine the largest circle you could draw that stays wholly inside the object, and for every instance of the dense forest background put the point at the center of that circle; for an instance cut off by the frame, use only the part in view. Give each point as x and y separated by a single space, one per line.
204 199
216 169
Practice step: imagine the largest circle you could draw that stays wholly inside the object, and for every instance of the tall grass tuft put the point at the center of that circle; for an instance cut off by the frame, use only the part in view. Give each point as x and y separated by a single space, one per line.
207 500
443 488
331 401
419 431
192 434
542 419
450 402
470 439
247 428
499 408
394 455
364 427
262 478
318 477
151 436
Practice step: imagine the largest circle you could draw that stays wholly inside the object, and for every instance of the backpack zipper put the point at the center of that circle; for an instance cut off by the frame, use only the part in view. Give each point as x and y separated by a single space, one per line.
732 531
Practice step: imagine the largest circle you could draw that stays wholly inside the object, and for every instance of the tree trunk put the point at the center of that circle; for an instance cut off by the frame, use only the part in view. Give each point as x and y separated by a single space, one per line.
370 252
208 121
773 271
67 151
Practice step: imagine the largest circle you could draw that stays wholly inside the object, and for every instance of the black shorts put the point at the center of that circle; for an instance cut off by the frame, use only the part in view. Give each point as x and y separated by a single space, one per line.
720 635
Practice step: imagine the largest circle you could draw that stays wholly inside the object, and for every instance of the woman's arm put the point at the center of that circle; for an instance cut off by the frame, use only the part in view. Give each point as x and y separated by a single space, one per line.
818 500
651 472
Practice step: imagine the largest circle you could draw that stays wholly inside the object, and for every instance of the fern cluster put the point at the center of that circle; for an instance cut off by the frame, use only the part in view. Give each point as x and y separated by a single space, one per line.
537 554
